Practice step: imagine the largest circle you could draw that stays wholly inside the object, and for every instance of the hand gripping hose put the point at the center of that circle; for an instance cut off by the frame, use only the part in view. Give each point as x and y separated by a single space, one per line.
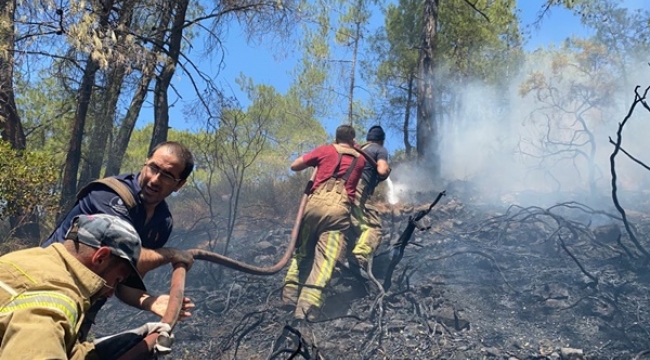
177 290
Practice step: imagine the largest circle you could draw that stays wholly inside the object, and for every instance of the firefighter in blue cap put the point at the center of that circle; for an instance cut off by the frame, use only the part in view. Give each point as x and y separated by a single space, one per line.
365 230
45 292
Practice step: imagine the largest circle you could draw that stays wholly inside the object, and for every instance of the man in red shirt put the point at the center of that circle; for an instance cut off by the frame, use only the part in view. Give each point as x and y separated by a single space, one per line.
326 218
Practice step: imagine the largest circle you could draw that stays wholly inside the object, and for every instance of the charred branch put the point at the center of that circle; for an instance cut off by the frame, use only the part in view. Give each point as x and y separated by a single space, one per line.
630 156
639 99
582 268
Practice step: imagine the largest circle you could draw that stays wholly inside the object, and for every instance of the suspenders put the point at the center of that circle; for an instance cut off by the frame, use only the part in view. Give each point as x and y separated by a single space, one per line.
335 179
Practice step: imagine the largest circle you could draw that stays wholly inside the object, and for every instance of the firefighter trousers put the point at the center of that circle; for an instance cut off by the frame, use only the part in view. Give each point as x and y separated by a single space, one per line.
321 245
365 228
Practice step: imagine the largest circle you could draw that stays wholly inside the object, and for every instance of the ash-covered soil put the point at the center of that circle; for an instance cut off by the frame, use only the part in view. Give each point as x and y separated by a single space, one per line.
564 281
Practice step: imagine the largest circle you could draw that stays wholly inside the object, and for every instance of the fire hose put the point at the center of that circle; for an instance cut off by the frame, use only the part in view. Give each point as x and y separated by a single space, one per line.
176 293
179 272
177 288
200 254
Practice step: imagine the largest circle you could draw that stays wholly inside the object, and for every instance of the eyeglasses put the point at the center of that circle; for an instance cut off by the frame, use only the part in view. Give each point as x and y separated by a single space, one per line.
165 177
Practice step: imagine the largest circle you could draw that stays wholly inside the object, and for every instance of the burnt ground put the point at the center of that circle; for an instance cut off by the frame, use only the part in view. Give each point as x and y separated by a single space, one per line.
562 281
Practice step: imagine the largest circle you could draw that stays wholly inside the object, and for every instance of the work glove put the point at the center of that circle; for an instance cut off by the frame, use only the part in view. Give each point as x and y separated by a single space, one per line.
163 344
113 346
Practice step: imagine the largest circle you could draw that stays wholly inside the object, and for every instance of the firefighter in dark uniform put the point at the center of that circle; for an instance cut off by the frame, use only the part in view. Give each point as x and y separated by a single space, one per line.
366 223
165 171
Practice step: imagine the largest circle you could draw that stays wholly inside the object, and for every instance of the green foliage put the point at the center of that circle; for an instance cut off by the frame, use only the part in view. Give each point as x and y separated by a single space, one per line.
27 181
310 87
581 72
242 156
393 66
290 127
399 157
623 32
332 45
47 110
136 152
400 40
478 46
472 44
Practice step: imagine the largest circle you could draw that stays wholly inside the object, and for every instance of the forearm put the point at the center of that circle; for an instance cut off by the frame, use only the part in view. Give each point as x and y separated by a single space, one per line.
134 297
383 170
152 259
299 164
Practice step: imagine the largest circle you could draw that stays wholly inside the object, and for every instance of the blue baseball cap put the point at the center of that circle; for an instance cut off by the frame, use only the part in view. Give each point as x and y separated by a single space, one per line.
115 233
376 133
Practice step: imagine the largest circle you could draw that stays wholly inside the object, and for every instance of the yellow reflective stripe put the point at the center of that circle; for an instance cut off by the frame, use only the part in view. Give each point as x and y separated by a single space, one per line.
331 254
364 236
19 270
43 299
8 289
313 295
311 298
291 279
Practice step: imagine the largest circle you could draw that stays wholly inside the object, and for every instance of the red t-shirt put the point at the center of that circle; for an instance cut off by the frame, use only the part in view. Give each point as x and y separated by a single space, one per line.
326 157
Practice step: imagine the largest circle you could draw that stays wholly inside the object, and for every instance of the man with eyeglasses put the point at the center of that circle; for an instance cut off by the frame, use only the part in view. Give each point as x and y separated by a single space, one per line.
165 171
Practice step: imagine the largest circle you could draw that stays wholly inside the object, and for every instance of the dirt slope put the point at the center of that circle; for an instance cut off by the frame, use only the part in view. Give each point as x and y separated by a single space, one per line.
485 281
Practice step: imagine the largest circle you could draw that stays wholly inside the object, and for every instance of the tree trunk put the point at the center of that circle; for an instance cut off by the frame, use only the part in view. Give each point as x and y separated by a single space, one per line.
103 121
427 129
118 149
23 223
73 156
408 148
12 129
128 123
160 100
102 125
353 66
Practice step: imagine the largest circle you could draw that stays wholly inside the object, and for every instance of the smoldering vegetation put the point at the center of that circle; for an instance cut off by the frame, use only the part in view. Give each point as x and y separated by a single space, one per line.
489 277
516 282
514 275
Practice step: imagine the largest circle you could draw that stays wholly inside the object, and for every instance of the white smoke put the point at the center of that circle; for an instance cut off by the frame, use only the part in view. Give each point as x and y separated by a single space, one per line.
494 144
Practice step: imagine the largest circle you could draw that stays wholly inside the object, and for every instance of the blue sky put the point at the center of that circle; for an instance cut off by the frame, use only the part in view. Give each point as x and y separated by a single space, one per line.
264 66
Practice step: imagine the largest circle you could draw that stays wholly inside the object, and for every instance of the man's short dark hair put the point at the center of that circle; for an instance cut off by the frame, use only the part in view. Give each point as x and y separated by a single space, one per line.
345 134
183 153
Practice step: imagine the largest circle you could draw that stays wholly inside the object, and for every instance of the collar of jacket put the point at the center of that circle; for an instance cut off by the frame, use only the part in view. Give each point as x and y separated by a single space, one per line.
89 283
